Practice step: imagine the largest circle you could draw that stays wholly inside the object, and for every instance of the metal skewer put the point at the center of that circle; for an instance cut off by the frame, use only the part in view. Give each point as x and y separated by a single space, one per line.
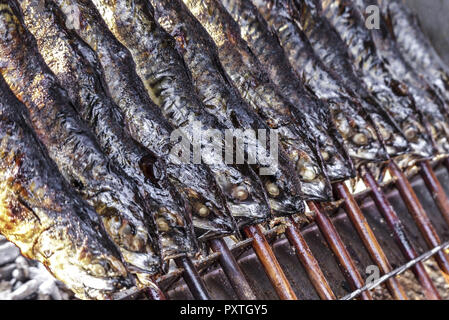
232 270
309 262
337 246
420 216
398 229
192 278
369 240
270 264
435 189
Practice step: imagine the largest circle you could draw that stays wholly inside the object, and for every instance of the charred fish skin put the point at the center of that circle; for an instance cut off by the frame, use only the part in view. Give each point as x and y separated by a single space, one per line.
414 45
219 94
329 47
169 82
360 136
45 218
146 124
389 92
78 71
215 87
427 100
72 145
256 91
305 104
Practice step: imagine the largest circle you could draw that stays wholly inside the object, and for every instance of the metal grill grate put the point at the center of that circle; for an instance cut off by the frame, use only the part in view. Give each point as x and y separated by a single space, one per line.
327 258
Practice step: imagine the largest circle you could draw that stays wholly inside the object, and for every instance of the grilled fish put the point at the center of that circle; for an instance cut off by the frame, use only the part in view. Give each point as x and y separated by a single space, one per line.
427 100
146 124
388 91
45 218
224 100
73 147
215 87
415 46
359 135
167 78
333 52
79 72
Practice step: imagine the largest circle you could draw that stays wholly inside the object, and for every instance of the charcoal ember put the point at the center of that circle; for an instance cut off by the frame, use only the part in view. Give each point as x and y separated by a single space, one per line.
25 290
8 253
6 272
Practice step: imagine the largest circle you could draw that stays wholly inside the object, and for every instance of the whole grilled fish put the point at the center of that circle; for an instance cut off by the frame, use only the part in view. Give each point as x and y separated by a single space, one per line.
243 62
360 136
427 100
224 100
388 91
147 125
166 76
333 52
45 218
73 147
79 72
415 46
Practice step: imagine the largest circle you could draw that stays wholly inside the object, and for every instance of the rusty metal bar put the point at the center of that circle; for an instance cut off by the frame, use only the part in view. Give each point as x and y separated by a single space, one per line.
435 188
420 216
154 293
270 263
309 262
398 229
369 240
192 278
232 270
337 246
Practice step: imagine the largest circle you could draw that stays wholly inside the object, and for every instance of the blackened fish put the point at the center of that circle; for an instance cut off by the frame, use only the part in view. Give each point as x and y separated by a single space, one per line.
73 147
217 91
45 218
360 136
215 87
333 52
166 76
78 71
415 46
427 100
388 91
147 125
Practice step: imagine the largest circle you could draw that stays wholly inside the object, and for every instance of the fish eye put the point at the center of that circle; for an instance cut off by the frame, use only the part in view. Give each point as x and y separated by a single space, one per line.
201 210
410 133
360 139
307 171
272 189
162 224
240 193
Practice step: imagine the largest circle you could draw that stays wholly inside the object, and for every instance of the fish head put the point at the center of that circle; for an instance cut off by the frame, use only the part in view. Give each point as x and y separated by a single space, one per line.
90 266
283 188
205 199
245 195
131 234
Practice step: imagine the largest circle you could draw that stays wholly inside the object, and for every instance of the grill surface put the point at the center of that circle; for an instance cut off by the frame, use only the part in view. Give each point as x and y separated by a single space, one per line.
219 287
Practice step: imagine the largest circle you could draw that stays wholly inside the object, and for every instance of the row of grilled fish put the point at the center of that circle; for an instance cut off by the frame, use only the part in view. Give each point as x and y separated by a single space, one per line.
93 92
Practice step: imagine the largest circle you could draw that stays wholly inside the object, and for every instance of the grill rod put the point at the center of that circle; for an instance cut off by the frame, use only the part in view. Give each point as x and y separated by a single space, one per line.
435 189
345 262
420 216
232 270
368 238
240 284
309 262
398 229
192 278
270 264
